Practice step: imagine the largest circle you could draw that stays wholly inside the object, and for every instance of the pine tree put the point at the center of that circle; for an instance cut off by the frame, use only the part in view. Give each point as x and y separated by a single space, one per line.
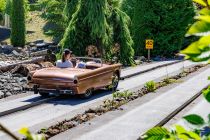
121 22
70 7
164 21
18 23
102 24
87 27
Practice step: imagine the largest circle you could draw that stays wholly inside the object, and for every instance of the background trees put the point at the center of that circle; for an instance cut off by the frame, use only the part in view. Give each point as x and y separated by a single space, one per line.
127 23
18 23
164 21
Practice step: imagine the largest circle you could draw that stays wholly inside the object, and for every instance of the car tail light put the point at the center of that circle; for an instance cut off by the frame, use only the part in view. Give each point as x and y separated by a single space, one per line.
75 81
29 78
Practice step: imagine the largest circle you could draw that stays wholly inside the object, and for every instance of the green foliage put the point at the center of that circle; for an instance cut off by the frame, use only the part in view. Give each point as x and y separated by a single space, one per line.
18 23
2 8
125 94
70 7
164 21
8 7
178 132
107 26
151 86
2 5
200 49
29 136
53 13
157 133
87 27
206 94
122 36
194 119
128 7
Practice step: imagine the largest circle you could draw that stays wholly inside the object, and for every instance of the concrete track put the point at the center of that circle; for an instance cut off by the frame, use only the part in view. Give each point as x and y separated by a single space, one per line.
57 110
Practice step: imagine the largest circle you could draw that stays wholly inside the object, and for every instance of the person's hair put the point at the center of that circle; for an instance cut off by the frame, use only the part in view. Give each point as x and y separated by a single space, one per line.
65 53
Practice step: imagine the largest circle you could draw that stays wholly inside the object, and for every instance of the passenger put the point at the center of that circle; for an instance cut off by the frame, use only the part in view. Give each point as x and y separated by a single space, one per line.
81 65
65 62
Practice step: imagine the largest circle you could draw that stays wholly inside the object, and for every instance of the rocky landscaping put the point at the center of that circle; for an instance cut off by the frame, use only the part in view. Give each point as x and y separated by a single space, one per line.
16 62
119 99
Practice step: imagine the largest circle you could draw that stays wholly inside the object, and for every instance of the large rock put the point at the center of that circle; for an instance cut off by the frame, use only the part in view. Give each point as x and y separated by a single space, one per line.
39 41
1 94
1 49
7 49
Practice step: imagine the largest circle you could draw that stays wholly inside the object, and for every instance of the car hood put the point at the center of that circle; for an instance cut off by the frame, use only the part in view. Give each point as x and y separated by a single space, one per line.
60 73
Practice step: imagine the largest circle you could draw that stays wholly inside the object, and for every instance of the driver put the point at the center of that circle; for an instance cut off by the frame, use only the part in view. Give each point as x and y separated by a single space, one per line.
65 62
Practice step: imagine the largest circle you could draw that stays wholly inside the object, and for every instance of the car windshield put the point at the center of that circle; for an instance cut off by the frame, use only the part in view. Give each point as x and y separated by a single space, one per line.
89 59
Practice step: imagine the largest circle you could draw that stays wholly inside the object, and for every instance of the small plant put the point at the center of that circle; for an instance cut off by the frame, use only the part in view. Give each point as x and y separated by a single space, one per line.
24 131
125 95
29 136
169 80
151 86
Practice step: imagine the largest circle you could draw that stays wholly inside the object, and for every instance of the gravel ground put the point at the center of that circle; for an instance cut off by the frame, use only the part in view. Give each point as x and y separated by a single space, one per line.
11 84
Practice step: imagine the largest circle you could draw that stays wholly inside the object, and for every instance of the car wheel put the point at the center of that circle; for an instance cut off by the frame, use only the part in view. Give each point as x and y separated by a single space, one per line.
115 82
44 94
87 94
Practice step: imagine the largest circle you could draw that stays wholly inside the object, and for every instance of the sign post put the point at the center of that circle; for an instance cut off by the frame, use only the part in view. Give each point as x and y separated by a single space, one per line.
149 44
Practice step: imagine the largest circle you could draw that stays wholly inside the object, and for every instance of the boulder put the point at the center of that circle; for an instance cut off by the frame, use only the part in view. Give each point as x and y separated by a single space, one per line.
15 53
1 94
39 41
7 49
1 49
142 58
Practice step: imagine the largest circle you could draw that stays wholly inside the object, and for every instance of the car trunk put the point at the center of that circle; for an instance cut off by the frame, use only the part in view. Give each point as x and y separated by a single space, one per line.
58 73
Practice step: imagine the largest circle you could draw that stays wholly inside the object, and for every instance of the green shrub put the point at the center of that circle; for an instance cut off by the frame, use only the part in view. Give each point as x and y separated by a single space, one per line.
164 21
18 23
150 86
2 5
2 8
125 94
35 7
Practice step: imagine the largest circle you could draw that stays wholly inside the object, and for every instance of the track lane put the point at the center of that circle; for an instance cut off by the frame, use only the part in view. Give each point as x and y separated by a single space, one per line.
59 109
12 106
136 121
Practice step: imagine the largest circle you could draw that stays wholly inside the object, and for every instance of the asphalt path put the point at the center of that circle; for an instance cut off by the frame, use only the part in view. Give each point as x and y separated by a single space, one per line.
58 110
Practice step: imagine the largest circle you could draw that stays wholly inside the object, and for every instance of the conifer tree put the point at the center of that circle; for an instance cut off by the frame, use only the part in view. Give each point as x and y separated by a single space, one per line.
122 35
99 23
70 7
87 27
18 23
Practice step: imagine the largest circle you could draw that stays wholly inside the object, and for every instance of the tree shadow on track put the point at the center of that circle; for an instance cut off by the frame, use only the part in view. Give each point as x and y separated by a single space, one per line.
72 100
75 100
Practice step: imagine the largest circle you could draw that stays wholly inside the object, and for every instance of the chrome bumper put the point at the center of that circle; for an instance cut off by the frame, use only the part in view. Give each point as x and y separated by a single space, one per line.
55 91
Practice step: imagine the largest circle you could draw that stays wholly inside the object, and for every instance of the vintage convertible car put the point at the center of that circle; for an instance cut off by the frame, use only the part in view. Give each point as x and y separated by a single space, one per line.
82 81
